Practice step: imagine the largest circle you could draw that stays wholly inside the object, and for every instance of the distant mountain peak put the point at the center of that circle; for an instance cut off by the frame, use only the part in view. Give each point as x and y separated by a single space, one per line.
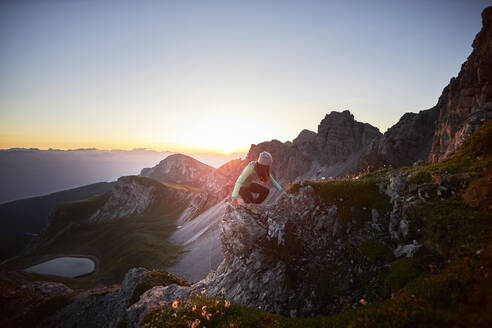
181 157
181 169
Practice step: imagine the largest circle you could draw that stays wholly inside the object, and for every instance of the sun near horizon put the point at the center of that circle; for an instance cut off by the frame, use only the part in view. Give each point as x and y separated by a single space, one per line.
218 76
217 136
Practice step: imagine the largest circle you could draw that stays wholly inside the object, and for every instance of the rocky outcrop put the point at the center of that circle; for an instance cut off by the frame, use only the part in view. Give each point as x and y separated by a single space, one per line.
127 197
21 297
49 288
103 307
467 101
304 255
333 151
196 203
340 136
115 306
406 142
134 196
274 255
434 134
153 298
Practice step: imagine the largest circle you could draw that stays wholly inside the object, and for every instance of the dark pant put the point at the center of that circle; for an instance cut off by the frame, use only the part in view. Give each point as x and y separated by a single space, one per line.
247 193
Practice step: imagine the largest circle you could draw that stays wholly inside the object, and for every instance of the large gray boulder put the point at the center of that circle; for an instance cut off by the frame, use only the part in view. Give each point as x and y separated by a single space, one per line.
102 307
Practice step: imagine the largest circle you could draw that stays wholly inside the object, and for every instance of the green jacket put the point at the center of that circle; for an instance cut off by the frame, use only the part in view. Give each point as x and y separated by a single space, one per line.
248 176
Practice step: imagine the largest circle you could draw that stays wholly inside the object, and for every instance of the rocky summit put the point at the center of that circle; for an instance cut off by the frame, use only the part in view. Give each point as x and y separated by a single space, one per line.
333 151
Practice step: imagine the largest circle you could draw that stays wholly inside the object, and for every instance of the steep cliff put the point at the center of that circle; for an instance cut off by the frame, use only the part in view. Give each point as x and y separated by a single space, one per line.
434 134
467 101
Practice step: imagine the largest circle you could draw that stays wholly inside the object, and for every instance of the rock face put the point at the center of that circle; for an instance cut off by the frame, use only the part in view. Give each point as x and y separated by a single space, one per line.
332 151
406 142
115 306
133 195
127 197
47 288
104 307
304 255
155 297
340 136
20 296
436 133
274 254
467 101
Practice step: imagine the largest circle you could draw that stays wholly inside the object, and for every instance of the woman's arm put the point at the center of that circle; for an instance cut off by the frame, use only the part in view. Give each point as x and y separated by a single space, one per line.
239 182
275 183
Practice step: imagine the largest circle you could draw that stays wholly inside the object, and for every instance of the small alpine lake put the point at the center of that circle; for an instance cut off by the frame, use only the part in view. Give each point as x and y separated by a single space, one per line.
67 266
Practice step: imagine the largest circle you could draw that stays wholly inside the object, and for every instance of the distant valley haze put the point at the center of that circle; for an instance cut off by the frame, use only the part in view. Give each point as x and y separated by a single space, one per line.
33 172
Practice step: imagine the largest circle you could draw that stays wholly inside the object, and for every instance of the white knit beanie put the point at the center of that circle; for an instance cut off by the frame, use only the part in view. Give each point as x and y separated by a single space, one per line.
265 158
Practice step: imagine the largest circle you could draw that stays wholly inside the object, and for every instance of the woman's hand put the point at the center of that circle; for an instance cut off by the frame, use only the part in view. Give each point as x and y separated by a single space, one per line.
234 203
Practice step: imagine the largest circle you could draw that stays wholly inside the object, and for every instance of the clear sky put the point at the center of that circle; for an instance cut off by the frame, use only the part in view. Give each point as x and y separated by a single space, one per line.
219 75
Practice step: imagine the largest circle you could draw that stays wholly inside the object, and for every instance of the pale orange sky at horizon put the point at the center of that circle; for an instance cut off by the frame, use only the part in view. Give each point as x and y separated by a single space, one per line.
219 75
220 135
116 145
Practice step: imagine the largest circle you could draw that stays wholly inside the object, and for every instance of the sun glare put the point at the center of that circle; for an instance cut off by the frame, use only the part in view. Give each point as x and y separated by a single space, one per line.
227 150
225 135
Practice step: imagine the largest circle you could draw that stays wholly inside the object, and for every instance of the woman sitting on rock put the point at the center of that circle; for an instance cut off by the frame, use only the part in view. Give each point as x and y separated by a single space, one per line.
255 171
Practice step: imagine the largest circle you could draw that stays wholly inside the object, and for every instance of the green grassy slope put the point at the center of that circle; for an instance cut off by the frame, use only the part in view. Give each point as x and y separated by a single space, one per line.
117 245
